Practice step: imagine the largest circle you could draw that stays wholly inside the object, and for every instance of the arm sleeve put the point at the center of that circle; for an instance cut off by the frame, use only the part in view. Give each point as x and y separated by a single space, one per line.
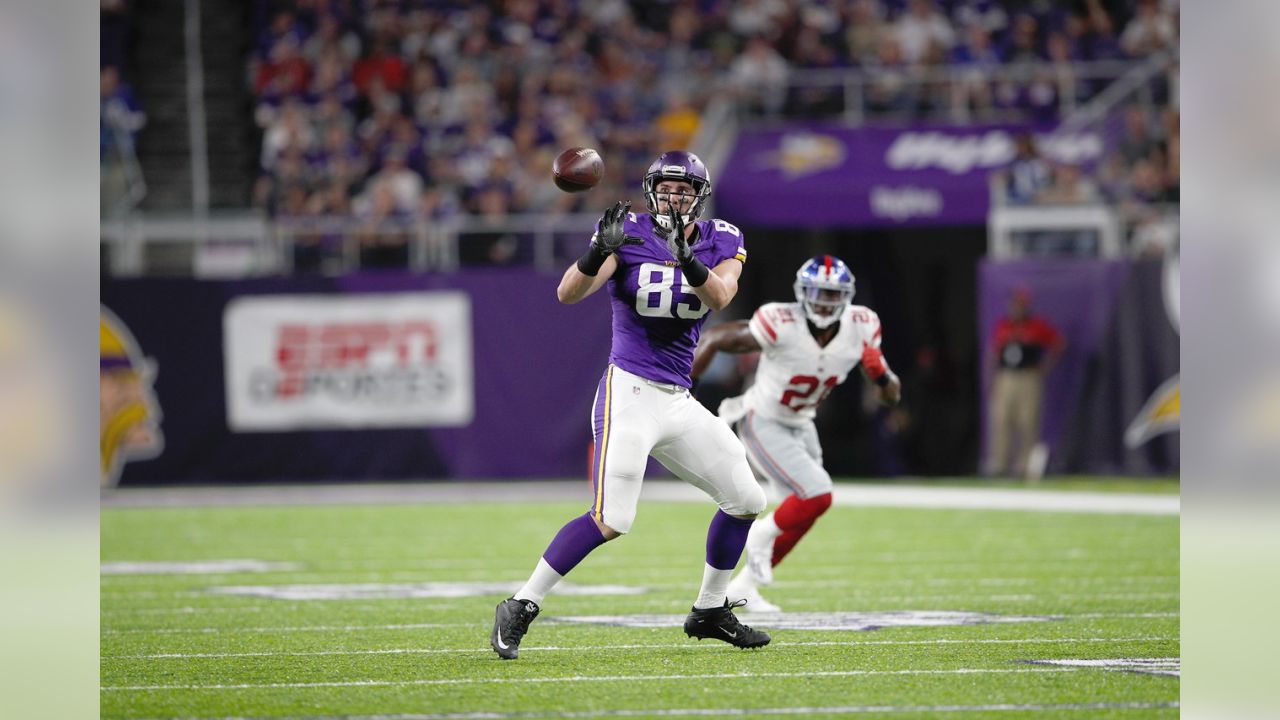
873 330
763 327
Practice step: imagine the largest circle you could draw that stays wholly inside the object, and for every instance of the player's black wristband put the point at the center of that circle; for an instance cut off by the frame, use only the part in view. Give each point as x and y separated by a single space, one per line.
591 260
695 271
885 379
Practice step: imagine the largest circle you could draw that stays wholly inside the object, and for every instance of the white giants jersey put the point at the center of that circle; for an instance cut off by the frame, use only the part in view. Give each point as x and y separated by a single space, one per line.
795 374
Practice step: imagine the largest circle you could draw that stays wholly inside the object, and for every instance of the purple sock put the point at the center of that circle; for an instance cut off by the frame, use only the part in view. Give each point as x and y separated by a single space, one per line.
725 539
575 541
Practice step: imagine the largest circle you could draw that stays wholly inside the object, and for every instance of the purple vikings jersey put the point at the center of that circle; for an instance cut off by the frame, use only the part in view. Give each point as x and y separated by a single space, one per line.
656 317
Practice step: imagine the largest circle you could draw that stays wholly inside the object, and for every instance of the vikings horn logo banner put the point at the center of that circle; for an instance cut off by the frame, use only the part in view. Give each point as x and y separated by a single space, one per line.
129 423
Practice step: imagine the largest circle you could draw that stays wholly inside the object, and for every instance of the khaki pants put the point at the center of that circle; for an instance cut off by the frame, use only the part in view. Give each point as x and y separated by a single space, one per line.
1014 420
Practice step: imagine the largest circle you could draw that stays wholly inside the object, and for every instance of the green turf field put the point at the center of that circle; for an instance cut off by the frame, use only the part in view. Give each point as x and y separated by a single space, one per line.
1084 586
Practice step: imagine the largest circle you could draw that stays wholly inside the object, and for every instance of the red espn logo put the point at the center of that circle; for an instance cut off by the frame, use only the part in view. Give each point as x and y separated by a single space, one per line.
305 349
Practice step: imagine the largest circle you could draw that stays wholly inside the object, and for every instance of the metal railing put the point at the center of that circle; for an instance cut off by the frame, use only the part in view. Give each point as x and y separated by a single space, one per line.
249 244
944 93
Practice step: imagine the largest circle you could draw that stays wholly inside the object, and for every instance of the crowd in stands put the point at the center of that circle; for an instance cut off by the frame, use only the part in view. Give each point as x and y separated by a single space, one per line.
1140 176
397 109
394 110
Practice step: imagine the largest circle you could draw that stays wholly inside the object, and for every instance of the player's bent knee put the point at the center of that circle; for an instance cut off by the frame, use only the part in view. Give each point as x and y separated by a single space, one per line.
616 527
750 503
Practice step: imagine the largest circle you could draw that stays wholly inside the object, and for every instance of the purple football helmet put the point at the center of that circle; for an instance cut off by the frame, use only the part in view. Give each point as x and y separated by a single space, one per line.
824 287
677 165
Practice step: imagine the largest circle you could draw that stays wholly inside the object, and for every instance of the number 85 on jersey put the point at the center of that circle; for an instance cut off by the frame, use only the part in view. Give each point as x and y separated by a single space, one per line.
659 287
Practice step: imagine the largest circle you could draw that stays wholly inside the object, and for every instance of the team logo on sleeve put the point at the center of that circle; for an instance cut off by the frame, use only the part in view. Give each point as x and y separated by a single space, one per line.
129 420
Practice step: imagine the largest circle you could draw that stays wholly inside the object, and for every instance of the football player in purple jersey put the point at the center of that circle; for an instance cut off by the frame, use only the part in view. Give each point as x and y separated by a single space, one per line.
664 271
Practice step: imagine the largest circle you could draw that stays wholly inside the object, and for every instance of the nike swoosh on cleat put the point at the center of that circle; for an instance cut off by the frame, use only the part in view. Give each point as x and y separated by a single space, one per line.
730 634
500 643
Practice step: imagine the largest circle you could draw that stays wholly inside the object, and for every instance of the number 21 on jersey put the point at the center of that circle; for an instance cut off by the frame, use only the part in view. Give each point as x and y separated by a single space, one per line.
800 389
659 286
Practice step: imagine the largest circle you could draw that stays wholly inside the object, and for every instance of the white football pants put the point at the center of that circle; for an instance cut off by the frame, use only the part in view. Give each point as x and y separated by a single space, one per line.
634 418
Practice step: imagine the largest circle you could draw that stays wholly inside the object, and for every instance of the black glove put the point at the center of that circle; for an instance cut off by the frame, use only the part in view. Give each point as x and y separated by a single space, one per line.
676 241
695 273
608 238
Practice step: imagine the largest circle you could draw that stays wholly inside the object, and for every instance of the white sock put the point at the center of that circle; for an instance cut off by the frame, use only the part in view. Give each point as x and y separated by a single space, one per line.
544 578
714 584
763 532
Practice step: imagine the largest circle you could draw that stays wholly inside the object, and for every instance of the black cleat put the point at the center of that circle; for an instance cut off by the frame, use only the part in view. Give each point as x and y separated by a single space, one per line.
721 624
510 623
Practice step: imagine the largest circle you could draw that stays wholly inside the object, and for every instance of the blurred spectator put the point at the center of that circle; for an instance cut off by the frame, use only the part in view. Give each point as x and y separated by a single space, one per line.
285 73
1151 30
676 125
922 29
1155 235
1028 174
864 27
404 185
759 76
1068 187
757 18
978 62
382 232
1100 39
1137 141
119 120
891 89
288 130
1023 350
990 15
382 63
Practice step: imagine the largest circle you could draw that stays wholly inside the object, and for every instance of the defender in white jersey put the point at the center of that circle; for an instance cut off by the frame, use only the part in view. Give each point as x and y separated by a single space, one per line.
806 349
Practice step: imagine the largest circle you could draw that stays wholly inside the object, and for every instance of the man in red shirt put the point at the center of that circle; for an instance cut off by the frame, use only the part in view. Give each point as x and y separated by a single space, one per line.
1024 349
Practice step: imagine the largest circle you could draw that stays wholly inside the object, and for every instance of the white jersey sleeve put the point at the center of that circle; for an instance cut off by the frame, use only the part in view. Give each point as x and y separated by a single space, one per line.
795 374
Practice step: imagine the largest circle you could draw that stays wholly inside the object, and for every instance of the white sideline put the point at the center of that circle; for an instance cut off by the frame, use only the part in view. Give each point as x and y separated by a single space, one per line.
739 712
852 495
421 626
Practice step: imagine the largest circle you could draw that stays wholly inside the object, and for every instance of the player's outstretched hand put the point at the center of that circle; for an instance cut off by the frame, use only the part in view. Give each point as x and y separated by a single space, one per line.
873 362
676 241
609 235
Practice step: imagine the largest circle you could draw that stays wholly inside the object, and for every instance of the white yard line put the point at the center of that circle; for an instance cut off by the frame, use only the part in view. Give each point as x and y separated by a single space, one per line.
739 712
591 678
848 494
650 646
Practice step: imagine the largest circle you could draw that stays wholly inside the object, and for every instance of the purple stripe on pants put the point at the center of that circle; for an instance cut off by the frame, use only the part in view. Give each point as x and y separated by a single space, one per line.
725 539
575 541
599 430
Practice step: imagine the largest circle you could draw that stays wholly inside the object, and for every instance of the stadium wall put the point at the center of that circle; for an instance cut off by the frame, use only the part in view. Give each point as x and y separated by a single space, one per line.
519 408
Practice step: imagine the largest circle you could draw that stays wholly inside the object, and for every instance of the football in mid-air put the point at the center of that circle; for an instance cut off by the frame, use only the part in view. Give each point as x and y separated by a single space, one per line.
577 169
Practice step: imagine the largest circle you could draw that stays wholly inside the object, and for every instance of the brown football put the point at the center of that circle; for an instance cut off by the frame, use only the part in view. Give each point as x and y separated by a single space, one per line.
577 169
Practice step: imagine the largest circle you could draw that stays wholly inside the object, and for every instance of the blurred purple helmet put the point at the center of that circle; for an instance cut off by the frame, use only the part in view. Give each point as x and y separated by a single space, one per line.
677 165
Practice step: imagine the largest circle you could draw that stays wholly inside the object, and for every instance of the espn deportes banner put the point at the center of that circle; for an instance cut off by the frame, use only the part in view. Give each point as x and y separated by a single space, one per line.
379 360
815 174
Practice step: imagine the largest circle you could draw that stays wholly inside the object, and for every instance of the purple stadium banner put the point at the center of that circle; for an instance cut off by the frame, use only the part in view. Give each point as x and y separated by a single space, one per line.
804 175
535 367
